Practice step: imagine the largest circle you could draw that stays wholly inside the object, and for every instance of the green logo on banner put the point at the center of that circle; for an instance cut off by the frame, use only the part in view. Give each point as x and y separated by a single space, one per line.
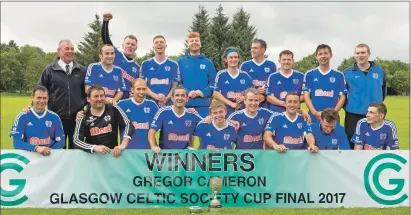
399 183
19 183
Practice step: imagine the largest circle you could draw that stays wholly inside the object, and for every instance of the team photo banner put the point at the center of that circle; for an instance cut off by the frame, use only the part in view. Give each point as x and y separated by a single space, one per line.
173 178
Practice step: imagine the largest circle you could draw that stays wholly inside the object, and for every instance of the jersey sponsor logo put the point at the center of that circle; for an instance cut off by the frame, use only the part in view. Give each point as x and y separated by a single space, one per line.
258 83
97 131
266 69
292 140
48 123
109 92
250 138
320 92
332 79
261 121
107 118
242 81
188 123
115 77
146 110
383 136
39 141
283 94
155 81
29 124
167 68
295 81
127 76
375 75
176 137
137 125
357 76
202 66
226 136
233 95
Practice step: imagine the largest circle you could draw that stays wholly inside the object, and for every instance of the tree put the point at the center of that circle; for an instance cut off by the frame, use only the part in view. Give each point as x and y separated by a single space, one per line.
218 37
305 64
89 47
346 63
148 55
395 75
201 24
242 33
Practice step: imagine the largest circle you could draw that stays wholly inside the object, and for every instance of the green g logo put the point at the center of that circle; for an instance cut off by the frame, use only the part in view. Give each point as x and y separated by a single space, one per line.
399 183
19 183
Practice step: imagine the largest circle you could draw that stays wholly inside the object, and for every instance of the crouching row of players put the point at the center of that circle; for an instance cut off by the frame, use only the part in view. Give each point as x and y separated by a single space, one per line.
138 119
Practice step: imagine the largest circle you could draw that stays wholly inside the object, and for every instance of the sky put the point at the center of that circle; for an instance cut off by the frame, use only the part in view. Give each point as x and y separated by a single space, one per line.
297 26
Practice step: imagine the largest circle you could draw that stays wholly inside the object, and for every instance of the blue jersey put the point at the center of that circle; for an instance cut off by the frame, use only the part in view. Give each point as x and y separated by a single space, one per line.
160 76
279 85
129 68
290 133
140 115
324 89
30 130
250 133
231 87
197 73
384 137
337 139
220 138
176 131
112 81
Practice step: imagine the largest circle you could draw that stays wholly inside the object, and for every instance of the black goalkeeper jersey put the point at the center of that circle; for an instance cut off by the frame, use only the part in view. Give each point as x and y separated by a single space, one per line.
101 130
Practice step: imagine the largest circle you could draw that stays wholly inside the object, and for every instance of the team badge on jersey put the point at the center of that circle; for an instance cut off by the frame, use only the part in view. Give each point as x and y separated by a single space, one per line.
167 68
202 66
146 110
48 124
266 69
134 69
115 77
334 141
188 122
107 118
295 81
226 136
375 75
242 81
332 79
300 125
383 136
261 121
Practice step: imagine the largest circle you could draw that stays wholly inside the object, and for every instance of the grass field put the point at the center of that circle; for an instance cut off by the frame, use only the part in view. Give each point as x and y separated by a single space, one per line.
398 111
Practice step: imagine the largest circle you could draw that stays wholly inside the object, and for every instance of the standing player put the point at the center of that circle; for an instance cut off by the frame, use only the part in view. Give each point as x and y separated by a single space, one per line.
259 68
289 129
375 132
285 81
323 87
231 83
197 75
39 129
328 133
98 130
125 59
176 124
161 73
366 84
106 75
252 121
141 112
219 134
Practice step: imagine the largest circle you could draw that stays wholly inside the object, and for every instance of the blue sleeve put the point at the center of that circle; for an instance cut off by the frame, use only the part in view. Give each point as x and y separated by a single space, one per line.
342 86
176 74
18 143
271 125
270 86
122 83
392 138
217 83
344 145
358 137
59 135
89 79
211 77
307 129
306 83
157 122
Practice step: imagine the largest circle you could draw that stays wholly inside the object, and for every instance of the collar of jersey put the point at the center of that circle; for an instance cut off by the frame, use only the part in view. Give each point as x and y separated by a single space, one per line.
35 114
220 129
179 116
292 121
259 64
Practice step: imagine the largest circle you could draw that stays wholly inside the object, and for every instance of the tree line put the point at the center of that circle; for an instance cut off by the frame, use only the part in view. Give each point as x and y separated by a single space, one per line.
21 66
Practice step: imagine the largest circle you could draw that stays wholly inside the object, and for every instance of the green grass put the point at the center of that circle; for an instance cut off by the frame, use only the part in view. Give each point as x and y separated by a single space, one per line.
398 111
236 211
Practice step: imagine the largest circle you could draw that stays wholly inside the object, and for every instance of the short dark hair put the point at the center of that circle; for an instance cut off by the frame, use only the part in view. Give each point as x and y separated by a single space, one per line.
261 42
380 107
329 115
104 45
94 88
39 88
323 46
179 87
286 52
291 94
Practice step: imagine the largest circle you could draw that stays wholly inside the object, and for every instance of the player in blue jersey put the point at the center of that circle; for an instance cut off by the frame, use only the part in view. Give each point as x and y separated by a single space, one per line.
231 83
220 133
375 132
286 80
124 60
160 72
140 111
252 121
197 75
39 129
259 68
328 133
324 87
288 130
176 123
107 75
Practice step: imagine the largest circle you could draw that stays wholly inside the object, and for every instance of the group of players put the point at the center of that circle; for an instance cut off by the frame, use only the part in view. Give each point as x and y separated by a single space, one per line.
251 105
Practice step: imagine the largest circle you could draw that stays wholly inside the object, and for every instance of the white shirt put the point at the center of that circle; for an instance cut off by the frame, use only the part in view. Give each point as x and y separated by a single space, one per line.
63 65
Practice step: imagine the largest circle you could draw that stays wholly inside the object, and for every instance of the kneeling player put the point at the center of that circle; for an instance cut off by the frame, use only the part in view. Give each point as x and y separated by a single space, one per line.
375 132
98 130
289 128
219 134
38 129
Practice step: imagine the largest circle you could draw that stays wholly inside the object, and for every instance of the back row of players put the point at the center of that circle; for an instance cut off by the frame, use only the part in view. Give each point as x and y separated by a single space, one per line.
320 88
